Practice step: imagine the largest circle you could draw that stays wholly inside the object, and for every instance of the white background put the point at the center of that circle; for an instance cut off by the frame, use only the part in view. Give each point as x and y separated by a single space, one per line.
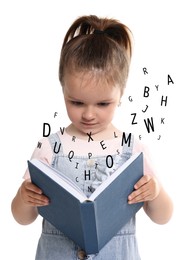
31 34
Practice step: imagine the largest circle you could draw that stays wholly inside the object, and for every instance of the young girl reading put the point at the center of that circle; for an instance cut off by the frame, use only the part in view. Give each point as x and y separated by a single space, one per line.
93 70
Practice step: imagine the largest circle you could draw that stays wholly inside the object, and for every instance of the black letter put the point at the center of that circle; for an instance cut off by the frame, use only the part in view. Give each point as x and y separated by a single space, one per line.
149 124
39 145
146 90
44 124
103 145
90 138
145 109
62 130
162 120
76 167
91 189
145 71
156 86
58 147
71 155
130 98
55 114
170 80
109 156
133 123
73 138
89 155
115 135
128 140
164 100
85 174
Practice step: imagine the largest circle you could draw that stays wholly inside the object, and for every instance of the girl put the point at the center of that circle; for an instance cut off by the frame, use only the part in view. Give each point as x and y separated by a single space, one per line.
93 70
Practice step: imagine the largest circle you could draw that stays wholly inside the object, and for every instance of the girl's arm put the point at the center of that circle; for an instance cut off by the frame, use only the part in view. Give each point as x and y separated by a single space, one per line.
157 203
29 197
25 203
160 208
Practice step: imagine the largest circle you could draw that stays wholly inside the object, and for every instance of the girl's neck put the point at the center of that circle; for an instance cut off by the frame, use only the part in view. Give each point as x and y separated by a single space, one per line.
107 133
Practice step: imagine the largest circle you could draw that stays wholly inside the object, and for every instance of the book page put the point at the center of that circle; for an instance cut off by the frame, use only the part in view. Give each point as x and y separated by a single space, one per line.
71 187
110 179
61 179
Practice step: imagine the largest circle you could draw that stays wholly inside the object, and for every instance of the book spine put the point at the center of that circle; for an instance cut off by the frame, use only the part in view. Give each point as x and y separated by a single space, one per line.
88 220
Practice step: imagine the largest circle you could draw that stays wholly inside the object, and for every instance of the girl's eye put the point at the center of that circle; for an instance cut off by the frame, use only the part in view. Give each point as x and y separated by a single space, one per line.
76 103
103 104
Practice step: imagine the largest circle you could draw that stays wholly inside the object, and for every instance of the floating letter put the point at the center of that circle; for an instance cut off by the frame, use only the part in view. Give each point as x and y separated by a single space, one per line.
39 145
103 145
128 140
49 129
55 114
90 138
164 100
73 138
145 109
145 71
71 155
170 80
130 98
62 130
156 86
149 124
87 174
58 147
109 165
146 91
134 115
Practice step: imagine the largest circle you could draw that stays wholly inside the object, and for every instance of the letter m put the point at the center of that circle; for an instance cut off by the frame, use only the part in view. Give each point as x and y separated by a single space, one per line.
126 140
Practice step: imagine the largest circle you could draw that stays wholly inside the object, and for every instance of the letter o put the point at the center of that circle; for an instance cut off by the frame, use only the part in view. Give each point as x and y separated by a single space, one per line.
109 162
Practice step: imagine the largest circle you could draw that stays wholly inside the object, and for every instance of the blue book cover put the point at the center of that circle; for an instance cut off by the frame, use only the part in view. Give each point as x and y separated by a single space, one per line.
89 222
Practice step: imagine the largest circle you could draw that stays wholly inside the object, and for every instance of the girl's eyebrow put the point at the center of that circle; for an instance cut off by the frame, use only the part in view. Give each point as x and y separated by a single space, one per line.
73 97
99 101
107 100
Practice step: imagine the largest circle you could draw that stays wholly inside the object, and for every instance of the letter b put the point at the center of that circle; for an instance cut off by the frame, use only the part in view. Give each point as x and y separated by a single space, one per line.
146 91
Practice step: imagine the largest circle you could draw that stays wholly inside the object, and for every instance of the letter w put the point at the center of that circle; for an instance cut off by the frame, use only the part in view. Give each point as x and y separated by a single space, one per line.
149 124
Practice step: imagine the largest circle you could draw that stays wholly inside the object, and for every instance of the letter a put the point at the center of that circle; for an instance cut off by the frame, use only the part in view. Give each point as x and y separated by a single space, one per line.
169 79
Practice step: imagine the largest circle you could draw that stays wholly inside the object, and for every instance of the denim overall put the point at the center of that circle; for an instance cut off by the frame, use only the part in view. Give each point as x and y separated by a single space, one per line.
53 244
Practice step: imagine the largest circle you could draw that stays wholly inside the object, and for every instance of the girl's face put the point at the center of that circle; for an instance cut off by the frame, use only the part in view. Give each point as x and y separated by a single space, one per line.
90 103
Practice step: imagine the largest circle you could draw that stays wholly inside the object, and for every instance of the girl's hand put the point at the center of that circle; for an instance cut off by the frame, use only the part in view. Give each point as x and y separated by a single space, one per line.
146 189
31 195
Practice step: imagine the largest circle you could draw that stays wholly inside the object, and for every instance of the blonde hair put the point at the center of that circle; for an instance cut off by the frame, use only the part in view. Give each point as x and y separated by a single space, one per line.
97 44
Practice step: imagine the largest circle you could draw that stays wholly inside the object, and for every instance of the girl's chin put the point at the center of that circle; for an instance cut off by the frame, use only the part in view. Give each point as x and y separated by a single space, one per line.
93 129
86 130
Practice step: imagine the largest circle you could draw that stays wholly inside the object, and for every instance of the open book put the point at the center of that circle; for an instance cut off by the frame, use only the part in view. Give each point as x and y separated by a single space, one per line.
89 221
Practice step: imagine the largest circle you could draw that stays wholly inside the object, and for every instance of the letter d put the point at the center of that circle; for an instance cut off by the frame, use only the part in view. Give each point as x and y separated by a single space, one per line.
49 129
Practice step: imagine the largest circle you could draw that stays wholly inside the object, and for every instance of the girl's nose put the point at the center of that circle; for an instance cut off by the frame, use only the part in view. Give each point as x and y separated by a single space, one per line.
88 113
